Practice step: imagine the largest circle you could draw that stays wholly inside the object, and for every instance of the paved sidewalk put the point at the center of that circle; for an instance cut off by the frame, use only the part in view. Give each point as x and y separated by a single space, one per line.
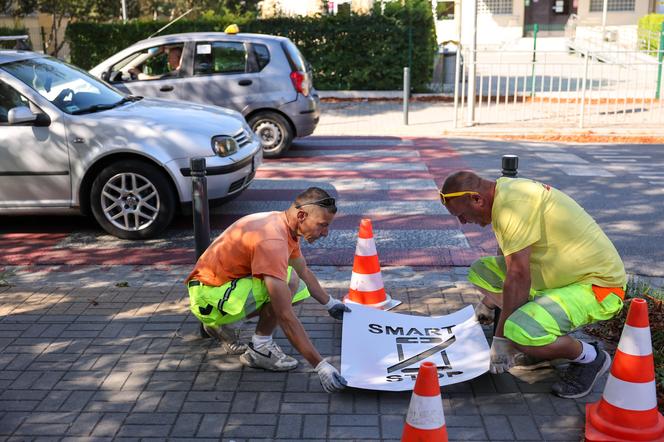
385 118
436 119
97 353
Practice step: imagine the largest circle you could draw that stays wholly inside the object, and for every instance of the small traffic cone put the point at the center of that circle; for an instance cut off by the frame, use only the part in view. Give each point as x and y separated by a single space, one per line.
627 410
425 420
366 282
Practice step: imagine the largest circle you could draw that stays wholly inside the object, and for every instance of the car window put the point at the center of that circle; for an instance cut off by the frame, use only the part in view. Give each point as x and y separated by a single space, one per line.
155 63
262 55
9 99
68 88
220 57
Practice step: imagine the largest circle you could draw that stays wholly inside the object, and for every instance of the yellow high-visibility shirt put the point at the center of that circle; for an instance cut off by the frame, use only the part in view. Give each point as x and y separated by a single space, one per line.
567 245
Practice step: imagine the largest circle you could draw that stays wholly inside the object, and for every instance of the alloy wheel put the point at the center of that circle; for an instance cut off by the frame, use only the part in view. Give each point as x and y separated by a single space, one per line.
130 201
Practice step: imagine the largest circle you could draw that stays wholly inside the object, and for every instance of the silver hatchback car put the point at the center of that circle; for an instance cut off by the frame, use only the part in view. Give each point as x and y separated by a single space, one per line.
70 142
264 77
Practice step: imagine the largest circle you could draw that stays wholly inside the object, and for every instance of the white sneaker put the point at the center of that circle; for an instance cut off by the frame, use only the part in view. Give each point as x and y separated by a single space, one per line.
269 357
228 337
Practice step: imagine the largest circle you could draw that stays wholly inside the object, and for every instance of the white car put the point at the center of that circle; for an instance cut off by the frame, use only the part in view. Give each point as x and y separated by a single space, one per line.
68 141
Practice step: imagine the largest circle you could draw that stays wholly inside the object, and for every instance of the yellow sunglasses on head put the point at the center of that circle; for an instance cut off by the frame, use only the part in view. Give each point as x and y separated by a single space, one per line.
444 197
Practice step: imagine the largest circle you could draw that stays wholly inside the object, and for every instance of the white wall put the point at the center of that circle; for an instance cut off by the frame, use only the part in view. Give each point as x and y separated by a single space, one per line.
492 30
613 18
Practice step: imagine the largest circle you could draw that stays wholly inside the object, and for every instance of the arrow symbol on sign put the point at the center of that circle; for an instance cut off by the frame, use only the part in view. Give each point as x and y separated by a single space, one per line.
421 356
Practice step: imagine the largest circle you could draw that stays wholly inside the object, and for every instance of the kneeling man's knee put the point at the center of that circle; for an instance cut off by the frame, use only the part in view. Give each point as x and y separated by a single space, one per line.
527 330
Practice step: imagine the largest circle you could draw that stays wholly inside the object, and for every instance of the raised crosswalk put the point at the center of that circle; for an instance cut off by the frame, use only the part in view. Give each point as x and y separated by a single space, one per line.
390 180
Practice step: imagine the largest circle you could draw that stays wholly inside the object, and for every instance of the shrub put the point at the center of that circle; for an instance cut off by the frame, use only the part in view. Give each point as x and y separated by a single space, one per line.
362 52
11 31
648 31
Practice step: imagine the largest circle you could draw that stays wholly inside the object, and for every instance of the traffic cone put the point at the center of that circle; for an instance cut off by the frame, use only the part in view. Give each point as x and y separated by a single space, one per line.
627 410
425 420
366 282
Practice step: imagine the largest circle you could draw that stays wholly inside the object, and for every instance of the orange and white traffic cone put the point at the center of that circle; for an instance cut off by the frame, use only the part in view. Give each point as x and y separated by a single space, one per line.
366 282
627 410
425 421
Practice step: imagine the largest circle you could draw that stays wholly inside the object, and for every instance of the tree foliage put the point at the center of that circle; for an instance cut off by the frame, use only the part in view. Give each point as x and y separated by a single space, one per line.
362 52
648 31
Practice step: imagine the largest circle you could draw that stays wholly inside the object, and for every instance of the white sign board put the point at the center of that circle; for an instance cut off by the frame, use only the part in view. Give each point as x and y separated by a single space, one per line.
204 49
383 351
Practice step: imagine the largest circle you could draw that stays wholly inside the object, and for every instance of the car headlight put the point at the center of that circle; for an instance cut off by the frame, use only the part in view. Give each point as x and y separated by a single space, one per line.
223 146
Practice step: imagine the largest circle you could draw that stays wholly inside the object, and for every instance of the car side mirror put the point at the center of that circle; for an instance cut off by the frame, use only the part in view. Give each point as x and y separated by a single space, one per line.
21 115
112 76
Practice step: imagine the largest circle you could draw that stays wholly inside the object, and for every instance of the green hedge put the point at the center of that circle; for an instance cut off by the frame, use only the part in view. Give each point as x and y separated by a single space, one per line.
648 31
357 52
12 31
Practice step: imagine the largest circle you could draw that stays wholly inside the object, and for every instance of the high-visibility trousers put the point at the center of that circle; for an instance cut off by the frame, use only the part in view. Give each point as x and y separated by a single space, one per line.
235 300
549 313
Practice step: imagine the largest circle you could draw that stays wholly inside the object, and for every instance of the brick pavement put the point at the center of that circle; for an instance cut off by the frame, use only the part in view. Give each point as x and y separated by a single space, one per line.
102 353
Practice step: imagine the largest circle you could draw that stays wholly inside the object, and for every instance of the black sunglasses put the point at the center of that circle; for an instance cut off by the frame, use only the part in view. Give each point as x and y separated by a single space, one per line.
325 202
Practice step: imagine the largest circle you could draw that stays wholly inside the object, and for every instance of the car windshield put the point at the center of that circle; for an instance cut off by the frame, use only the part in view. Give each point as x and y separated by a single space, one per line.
70 89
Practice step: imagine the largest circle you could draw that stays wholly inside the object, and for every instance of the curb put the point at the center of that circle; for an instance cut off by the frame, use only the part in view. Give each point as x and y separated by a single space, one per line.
563 135
380 96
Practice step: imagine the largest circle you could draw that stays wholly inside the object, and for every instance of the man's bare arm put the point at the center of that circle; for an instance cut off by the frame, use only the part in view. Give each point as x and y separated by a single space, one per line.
280 297
516 287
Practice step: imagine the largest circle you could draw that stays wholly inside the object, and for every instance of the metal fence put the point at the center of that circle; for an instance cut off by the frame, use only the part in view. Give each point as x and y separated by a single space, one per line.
611 38
561 89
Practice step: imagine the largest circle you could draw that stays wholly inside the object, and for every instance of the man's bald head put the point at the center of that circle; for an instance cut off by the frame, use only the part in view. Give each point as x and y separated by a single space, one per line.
472 197
463 180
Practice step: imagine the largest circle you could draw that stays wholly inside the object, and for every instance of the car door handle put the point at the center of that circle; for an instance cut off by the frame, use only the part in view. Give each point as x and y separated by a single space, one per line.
244 82
166 88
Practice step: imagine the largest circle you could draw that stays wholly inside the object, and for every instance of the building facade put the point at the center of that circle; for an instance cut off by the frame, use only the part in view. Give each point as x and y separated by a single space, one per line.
501 21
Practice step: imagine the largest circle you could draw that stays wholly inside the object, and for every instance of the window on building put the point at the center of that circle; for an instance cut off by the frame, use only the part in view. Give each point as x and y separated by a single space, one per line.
495 7
445 10
612 5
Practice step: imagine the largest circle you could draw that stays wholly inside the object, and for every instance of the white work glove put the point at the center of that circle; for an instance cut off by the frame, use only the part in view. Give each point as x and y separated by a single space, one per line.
484 314
330 378
336 308
503 355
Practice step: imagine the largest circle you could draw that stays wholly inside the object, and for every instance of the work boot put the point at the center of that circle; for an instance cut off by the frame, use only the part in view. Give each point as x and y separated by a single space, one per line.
524 362
578 380
228 337
269 357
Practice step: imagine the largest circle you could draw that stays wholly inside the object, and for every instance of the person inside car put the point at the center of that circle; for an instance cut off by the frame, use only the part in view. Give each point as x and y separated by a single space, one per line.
174 60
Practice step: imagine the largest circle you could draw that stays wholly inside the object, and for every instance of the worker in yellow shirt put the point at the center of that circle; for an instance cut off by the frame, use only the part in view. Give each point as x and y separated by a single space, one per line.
558 272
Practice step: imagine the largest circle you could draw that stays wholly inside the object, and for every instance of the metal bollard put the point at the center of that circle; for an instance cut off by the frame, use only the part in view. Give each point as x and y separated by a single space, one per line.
510 165
406 94
200 207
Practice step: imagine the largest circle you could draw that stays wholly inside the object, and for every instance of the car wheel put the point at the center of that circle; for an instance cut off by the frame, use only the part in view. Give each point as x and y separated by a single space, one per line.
132 200
274 132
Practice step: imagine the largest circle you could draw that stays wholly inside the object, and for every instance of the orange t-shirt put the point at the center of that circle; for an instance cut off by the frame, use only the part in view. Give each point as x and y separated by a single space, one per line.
257 245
